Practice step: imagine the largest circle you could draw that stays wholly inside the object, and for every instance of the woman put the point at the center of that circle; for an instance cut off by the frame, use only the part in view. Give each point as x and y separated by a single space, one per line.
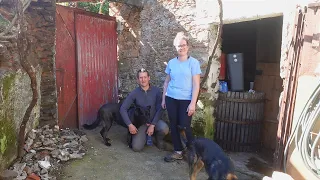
180 92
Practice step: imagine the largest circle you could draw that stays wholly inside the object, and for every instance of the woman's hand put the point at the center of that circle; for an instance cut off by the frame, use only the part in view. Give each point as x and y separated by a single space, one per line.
191 109
163 104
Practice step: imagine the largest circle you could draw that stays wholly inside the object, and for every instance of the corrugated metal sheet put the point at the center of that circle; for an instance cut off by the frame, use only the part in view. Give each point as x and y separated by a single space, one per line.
65 60
88 79
96 45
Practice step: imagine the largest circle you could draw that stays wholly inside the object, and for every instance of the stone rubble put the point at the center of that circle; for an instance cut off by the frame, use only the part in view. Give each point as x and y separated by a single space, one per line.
46 149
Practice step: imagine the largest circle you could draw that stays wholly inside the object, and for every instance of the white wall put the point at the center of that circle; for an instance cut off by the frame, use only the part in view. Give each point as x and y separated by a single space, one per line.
239 10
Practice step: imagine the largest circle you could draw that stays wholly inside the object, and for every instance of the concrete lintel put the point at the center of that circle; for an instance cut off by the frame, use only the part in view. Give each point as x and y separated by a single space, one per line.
314 5
252 18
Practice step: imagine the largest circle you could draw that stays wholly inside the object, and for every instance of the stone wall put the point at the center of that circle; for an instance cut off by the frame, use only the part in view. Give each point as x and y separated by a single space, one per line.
15 90
15 97
42 28
147 41
160 21
129 35
147 37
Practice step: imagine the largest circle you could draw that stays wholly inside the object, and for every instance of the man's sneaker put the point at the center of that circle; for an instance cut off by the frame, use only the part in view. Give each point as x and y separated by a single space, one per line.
172 157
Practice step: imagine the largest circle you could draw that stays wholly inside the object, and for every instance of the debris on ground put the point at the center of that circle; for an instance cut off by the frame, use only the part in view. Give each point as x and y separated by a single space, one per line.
46 149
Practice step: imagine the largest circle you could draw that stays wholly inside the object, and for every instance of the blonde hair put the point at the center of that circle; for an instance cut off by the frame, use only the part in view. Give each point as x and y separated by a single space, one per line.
180 36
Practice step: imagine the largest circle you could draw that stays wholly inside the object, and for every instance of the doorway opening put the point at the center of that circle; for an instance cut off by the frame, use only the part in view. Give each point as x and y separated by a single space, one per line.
250 64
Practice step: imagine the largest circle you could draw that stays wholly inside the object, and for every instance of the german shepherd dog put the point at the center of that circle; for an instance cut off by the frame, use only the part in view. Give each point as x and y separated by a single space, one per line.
205 152
109 113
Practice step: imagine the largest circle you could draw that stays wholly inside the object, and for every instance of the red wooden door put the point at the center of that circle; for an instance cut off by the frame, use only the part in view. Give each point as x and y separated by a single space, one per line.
96 43
86 65
66 76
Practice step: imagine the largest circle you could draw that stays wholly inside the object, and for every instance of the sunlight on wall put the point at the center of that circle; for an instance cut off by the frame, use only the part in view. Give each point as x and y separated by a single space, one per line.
207 10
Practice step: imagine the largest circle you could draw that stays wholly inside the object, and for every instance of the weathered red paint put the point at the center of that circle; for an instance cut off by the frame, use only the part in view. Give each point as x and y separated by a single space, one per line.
66 68
96 44
67 15
86 65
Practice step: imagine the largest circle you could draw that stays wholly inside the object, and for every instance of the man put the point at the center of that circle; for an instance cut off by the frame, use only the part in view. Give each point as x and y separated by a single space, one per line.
145 95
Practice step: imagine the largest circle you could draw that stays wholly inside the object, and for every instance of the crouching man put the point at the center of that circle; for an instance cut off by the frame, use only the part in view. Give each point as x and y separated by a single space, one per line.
145 95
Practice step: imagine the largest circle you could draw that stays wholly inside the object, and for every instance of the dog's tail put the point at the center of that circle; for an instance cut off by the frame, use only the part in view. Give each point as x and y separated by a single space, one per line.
94 124
231 176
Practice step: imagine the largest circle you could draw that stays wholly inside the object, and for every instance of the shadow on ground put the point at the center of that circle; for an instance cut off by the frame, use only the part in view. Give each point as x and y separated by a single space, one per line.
118 162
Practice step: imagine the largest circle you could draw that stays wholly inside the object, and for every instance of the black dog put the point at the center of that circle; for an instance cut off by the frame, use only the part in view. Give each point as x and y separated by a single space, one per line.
141 116
205 152
109 113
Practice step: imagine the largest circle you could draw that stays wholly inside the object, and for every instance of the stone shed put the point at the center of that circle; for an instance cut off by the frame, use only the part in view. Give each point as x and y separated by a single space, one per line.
280 44
265 32
144 31
145 39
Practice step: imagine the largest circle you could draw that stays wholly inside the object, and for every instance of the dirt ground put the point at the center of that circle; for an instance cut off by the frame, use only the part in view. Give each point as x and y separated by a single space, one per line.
119 162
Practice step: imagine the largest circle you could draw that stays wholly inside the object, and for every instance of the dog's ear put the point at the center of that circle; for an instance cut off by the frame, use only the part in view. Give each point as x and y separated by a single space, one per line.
231 176
148 110
138 108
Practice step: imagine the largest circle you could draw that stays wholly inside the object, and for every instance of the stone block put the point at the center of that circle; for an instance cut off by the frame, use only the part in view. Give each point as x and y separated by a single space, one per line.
15 98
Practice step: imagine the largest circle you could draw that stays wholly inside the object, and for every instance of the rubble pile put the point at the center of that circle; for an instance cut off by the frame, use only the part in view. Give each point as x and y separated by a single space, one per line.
46 149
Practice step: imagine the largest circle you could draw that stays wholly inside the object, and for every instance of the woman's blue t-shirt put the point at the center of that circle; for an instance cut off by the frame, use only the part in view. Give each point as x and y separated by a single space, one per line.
181 72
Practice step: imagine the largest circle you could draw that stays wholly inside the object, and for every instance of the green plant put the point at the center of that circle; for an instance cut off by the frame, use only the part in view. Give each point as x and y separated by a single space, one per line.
101 7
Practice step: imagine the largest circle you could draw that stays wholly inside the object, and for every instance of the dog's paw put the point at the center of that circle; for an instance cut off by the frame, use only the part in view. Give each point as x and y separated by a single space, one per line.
107 141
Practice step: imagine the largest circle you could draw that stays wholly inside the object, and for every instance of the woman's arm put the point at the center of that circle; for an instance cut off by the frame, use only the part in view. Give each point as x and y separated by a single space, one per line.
195 92
196 71
165 86
195 88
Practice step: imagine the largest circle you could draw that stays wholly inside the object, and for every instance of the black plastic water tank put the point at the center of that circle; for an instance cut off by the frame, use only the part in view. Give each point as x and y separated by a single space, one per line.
235 71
